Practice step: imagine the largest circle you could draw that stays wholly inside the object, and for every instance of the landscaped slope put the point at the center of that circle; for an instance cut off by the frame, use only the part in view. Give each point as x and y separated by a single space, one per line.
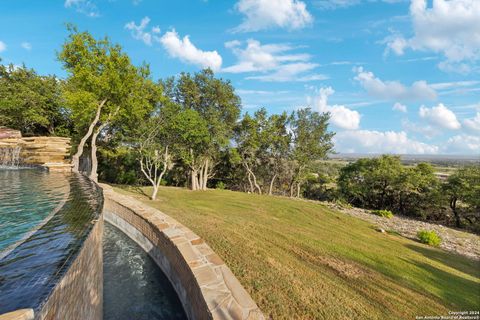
301 260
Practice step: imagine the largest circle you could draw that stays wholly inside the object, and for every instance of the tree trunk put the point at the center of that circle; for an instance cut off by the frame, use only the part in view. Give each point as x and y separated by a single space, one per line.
453 206
93 172
270 189
254 178
298 189
81 145
250 182
205 174
194 180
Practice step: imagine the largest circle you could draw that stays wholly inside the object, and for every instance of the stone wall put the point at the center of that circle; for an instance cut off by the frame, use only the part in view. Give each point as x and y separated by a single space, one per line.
205 285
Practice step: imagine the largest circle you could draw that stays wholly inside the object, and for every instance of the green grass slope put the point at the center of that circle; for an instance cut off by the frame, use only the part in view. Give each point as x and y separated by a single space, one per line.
301 260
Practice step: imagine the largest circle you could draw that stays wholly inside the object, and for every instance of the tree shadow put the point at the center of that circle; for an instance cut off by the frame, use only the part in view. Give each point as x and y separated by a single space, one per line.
459 291
450 259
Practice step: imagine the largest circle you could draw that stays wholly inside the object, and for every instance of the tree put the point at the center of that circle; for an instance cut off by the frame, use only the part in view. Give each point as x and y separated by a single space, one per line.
249 135
311 142
102 85
213 104
463 187
153 147
32 103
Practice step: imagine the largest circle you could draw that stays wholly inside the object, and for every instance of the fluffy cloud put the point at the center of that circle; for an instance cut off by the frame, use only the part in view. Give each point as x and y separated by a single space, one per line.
399 107
3 46
275 62
26 46
394 90
186 51
440 116
473 124
265 14
341 116
139 32
85 7
451 28
370 141
340 4
463 144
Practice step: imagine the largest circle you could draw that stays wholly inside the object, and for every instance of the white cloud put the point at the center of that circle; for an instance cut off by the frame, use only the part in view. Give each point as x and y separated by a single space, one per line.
473 124
274 62
341 116
26 46
341 4
426 130
451 28
265 14
186 51
463 144
371 141
3 46
399 107
440 116
394 90
85 7
139 31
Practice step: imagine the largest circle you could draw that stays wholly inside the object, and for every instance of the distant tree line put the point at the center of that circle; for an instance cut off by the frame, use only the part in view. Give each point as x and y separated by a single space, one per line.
189 131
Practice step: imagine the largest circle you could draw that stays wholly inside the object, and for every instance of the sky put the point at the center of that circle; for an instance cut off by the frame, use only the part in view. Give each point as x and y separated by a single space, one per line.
397 76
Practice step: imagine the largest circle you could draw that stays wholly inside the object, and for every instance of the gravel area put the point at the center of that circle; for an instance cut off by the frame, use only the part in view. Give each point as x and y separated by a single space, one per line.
453 240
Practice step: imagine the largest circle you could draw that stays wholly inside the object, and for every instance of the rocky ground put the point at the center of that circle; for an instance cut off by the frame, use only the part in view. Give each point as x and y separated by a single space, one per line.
457 241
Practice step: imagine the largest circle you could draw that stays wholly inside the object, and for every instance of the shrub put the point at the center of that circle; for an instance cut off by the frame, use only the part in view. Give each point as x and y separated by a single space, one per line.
383 213
220 185
429 237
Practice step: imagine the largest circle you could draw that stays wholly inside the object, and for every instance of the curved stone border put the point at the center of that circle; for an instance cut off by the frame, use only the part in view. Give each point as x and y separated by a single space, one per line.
205 285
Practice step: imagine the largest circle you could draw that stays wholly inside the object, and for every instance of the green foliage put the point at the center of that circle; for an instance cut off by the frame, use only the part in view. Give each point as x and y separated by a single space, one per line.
100 71
311 141
429 237
119 166
383 182
220 185
383 213
32 103
463 192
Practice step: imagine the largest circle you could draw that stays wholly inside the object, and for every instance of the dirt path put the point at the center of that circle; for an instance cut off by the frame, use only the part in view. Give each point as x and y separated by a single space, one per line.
457 241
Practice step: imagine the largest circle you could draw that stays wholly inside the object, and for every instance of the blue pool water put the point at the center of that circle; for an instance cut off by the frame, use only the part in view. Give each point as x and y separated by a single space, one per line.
27 198
54 214
134 287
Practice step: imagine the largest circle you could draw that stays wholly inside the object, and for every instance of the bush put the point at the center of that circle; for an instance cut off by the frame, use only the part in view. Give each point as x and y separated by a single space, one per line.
220 185
383 213
429 237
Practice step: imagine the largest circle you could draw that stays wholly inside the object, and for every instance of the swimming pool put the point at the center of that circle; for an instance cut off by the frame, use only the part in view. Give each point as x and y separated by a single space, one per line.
46 218
28 197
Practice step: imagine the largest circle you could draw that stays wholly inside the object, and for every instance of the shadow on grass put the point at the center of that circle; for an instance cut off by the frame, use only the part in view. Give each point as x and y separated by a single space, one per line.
461 292
450 259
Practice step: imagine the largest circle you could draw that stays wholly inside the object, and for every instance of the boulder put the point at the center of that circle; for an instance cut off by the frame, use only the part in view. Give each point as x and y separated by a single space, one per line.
9 133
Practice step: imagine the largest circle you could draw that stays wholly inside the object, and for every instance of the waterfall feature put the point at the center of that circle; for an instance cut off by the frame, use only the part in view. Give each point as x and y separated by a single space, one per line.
10 156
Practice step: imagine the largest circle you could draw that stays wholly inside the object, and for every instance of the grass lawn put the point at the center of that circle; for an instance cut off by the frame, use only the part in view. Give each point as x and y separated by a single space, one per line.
301 260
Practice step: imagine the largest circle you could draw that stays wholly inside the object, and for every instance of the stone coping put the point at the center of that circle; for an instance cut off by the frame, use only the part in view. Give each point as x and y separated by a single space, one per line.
205 285
22 314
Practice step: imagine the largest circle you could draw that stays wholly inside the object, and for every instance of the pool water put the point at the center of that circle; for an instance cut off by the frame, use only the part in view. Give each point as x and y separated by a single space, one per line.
134 287
27 198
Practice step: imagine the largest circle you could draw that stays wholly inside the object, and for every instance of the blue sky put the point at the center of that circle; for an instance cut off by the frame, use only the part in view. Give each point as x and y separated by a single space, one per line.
398 76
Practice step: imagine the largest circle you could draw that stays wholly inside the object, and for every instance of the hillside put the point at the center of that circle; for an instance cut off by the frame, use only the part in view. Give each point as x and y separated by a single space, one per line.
301 260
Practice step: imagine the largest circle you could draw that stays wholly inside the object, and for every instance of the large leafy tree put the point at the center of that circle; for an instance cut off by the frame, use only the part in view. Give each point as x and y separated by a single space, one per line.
32 103
463 192
263 145
103 88
212 104
249 138
311 142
